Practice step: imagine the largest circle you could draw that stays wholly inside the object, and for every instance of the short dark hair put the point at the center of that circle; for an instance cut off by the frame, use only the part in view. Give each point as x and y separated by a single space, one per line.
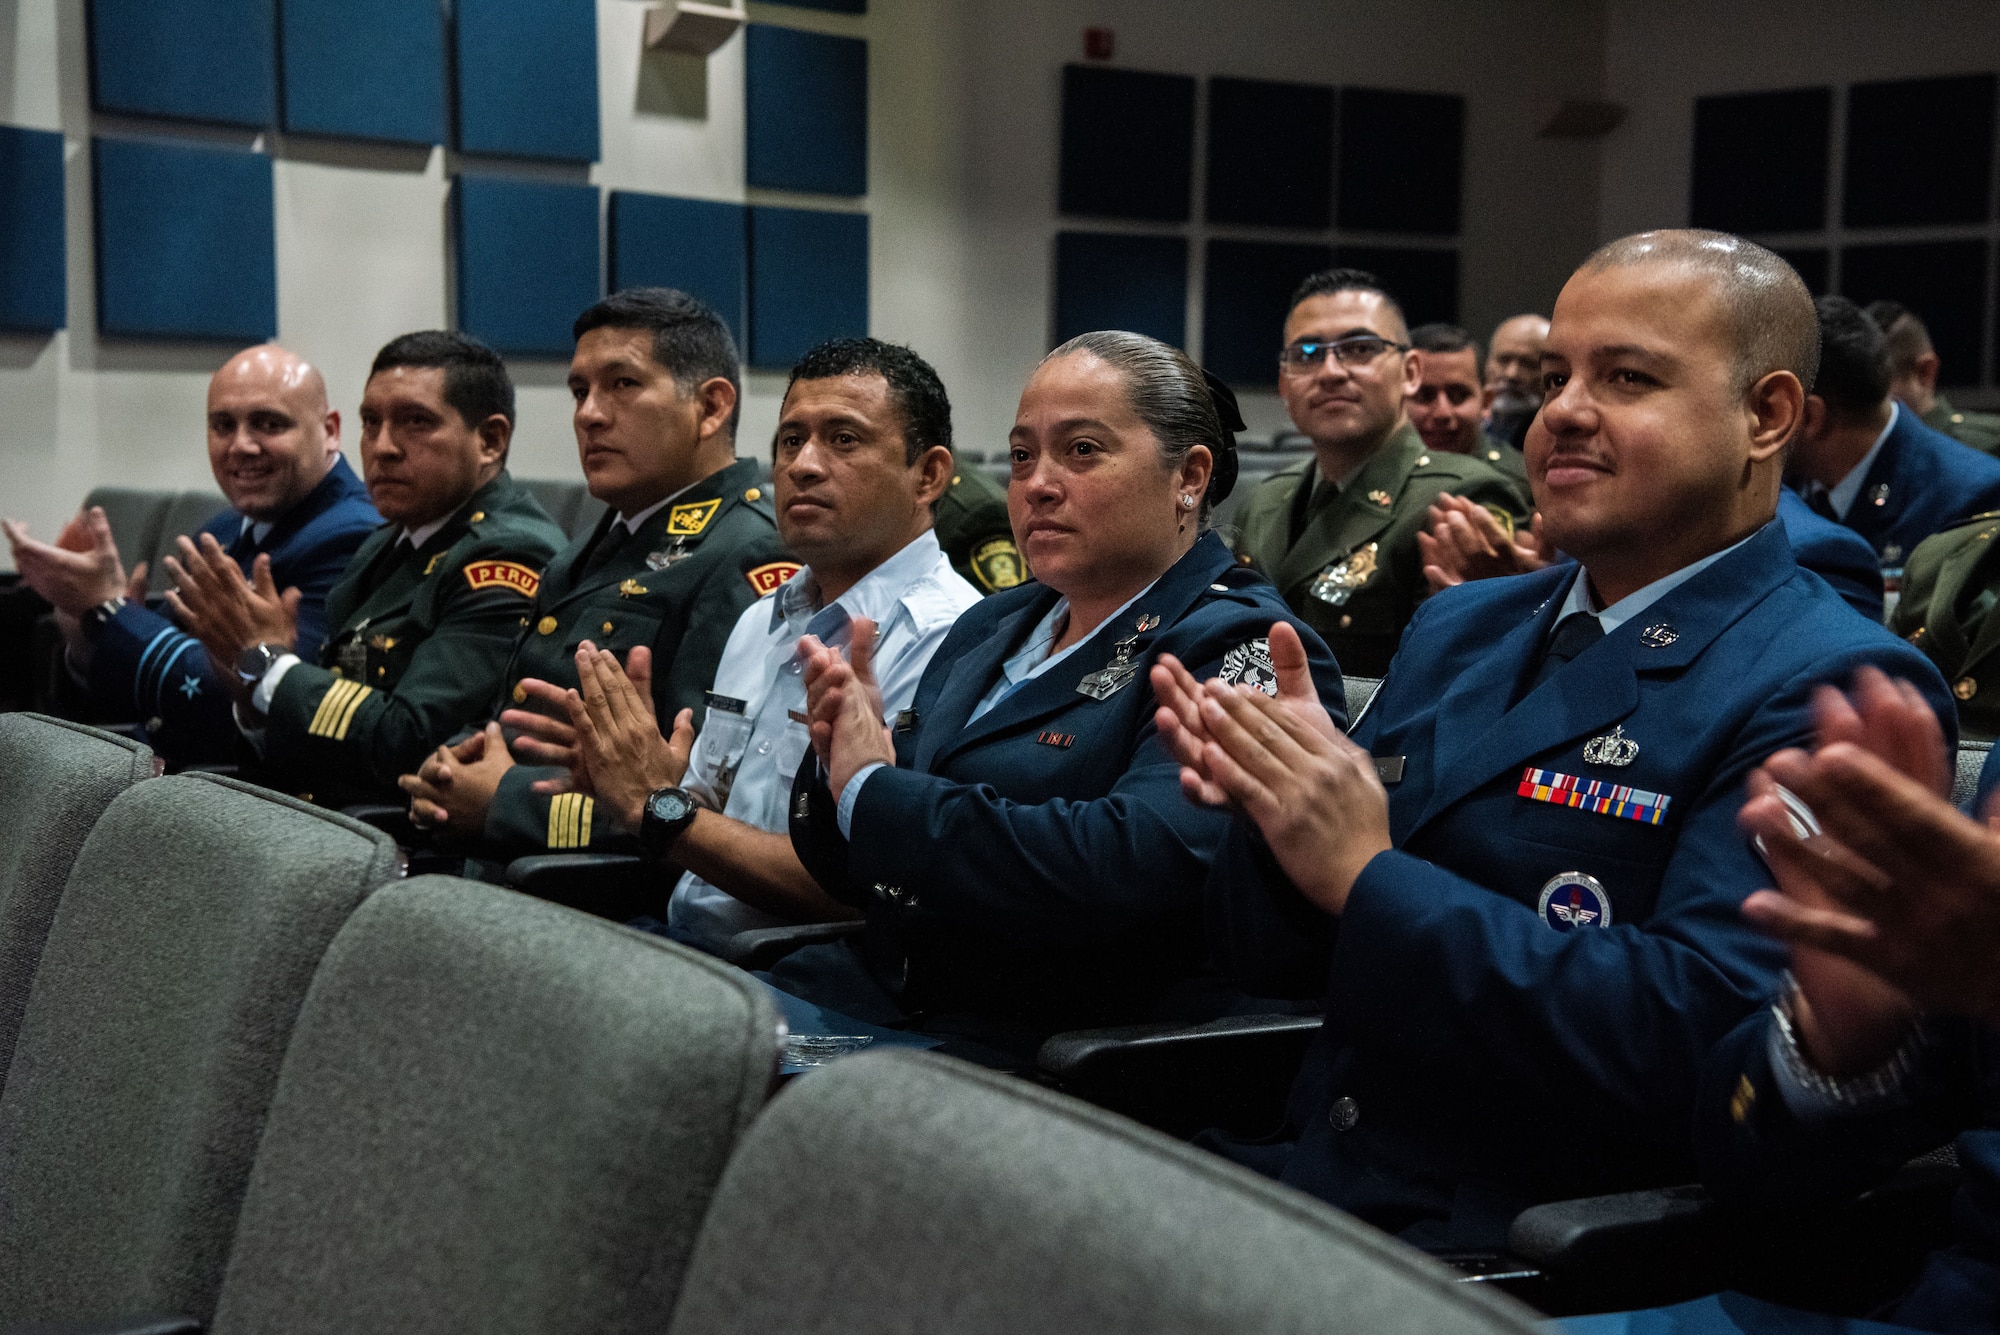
1328 281
689 339
1441 337
476 383
913 386
1903 330
1853 359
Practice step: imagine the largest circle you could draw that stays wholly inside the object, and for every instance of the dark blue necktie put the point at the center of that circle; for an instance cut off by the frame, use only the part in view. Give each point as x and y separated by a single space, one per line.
1573 634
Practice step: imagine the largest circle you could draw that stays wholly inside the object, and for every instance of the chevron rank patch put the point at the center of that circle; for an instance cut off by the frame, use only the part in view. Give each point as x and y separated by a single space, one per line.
569 820
336 709
684 521
1607 799
766 579
503 575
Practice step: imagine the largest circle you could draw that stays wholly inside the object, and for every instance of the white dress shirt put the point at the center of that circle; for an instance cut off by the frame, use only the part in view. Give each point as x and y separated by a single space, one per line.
1632 604
744 760
1844 493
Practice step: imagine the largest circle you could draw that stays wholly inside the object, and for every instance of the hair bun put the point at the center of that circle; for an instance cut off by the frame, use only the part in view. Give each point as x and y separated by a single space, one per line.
1223 480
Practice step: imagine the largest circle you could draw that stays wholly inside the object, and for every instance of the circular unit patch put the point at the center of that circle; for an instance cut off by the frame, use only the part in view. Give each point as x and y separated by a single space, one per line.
1574 900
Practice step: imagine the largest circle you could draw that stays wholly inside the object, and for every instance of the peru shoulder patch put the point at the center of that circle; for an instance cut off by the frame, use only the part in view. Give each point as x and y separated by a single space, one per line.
767 578
503 574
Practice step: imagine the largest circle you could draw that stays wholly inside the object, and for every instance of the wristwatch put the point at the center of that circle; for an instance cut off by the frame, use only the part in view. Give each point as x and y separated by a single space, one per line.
254 662
668 812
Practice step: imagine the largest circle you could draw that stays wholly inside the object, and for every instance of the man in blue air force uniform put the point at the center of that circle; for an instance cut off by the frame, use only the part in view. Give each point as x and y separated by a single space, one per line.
274 447
1528 943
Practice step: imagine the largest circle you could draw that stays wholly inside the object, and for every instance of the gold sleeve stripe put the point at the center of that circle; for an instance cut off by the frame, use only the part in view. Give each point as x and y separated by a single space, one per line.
569 820
347 714
330 706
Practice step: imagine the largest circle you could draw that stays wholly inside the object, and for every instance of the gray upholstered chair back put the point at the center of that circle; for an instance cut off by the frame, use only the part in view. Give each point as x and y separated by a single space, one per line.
56 778
1965 781
496 1116
150 1042
905 1191
136 515
186 516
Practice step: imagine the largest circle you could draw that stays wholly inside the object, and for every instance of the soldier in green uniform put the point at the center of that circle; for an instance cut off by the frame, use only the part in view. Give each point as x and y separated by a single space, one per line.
689 540
1950 586
425 615
1446 408
1338 533
1913 377
973 529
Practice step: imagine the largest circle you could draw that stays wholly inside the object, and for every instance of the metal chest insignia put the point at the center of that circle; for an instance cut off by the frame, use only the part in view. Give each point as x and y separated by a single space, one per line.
1250 664
1337 583
1658 635
1575 900
1613 748
352 660
631 588
1114 676
666 556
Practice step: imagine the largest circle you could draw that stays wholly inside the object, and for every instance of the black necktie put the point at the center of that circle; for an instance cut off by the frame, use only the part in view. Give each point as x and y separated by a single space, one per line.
1821 504
1573 634
245 546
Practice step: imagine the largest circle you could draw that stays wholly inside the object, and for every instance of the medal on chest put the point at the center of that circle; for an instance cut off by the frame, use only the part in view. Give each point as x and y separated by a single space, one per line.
352 657
1337 583
674 551
1116 675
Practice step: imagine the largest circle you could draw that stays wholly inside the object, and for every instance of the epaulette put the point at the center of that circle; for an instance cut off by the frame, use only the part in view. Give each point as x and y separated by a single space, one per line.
758 498
1236 582
1979 518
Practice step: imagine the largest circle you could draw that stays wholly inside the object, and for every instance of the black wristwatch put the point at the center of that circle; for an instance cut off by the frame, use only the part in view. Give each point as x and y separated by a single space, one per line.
668 812
254 662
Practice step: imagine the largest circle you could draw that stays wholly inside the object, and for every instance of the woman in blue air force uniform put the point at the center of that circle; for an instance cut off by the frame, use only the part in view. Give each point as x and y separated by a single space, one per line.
1019 843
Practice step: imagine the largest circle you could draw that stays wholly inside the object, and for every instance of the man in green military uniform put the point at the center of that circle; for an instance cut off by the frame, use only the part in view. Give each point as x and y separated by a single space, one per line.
1913 377
973 529
1950 586
1338 533
688 541
425 615
1446 408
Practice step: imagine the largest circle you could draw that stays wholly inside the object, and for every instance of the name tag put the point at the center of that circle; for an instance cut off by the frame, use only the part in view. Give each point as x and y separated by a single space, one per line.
1389 769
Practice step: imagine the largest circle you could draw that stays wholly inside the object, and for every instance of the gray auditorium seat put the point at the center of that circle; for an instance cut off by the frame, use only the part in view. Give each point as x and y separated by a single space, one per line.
496 1116
136 515
909 1192
188 513
588 511
559 496
56 779
150 1042
1965 780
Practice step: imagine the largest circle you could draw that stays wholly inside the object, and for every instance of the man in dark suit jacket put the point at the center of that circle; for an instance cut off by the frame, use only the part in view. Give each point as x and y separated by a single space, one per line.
1528 943
1867 461
274 447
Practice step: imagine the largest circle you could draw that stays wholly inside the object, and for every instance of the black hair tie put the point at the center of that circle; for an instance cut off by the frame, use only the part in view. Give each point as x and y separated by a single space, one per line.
1222 480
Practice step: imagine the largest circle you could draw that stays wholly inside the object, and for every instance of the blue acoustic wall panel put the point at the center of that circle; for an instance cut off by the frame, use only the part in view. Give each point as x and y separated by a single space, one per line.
1248 295
807 116
1400 160
808 281
1121 282
1423 282
369 69
204 60
1127 144
696 245
1270 153
1944 282
186 244
527 262
33 295
1760 161
527 78
1920 151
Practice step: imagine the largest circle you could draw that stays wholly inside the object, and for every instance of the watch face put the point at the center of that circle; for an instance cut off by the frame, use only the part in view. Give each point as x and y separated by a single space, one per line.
671 806
254 662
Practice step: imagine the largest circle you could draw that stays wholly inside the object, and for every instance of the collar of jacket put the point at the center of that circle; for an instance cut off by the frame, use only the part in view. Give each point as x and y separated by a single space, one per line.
1353 519
726 485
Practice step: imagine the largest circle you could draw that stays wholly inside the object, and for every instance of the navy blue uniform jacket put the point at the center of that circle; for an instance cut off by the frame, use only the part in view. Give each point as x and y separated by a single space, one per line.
1923 482
1834 552
143 664
1754 1152
1495 1055
1041 865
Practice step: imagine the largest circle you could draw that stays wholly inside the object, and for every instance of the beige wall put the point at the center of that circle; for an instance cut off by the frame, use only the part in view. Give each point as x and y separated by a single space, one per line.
963 135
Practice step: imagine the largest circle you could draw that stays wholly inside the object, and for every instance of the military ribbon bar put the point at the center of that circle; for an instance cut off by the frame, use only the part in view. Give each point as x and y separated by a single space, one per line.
1607 799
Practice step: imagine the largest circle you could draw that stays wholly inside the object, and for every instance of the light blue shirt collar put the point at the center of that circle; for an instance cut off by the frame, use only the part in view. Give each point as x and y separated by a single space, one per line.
1028 662
1632 604
875 595
1843 495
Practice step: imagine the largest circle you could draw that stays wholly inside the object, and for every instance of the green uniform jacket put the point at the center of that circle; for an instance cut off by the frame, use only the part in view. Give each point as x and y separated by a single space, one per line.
977 536
1979 430
1511 464
678 586
1942 583
419 641
1355 574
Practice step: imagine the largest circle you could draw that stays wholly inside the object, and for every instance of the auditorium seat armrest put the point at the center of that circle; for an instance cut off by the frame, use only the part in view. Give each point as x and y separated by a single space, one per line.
1231 1074
392 819
765 946
1590 1231
136 1325
1082 1049
223 768
618 886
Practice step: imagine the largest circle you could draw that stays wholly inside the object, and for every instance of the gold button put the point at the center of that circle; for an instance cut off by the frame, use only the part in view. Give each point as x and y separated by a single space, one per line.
1965 688
956 479
547 626
753 495
381 672
1958 417
607 628
1423 460
1346 620
520 694
478 515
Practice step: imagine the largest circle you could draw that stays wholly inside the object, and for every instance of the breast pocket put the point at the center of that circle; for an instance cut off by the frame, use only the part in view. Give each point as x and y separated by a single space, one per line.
725 737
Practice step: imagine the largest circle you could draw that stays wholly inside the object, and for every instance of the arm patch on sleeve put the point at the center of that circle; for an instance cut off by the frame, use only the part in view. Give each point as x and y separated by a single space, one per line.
766 578
998 564
504 575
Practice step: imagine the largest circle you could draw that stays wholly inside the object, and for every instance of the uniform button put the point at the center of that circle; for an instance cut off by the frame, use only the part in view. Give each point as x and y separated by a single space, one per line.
1344 1113
381 672
956 480
764 749
1423 461
1965 688
1346 620
547 626
607 628
520 694
754 494
478 515
1220 588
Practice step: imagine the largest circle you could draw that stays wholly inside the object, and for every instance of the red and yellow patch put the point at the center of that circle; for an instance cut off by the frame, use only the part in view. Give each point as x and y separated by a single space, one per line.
765 579
503 574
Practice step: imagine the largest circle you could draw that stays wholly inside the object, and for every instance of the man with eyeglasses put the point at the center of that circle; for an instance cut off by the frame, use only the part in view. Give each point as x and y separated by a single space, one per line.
1338 533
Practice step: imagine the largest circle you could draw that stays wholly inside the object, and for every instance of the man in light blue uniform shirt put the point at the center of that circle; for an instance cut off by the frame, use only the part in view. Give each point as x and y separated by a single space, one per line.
862 453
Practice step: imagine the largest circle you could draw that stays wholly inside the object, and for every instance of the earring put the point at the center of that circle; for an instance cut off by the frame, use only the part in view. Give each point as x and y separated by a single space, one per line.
1187 502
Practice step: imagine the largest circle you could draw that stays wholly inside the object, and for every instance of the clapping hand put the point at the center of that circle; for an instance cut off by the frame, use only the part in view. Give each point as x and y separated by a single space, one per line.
622 756
844 706
1465 542
214 603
